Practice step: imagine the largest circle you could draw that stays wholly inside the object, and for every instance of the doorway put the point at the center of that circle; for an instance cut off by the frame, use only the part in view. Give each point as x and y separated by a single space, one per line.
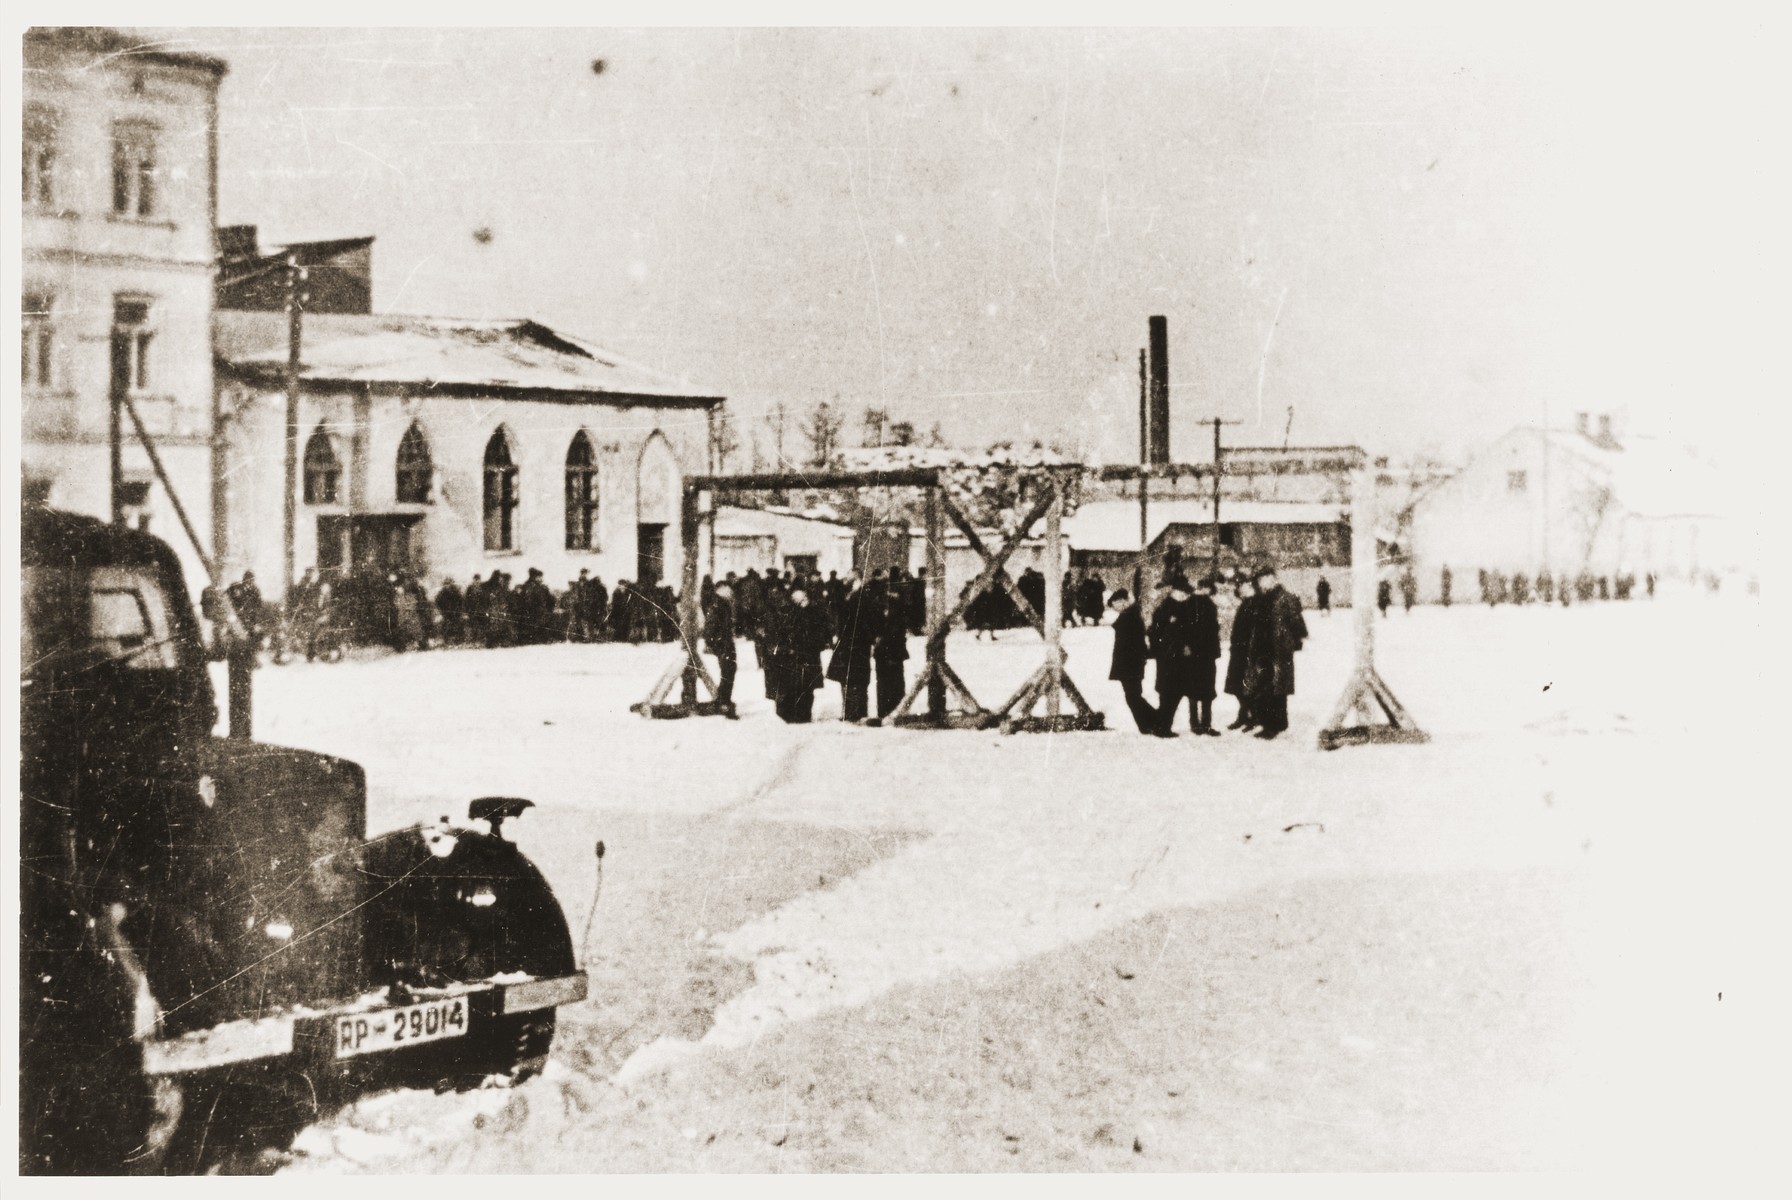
650 554
365 545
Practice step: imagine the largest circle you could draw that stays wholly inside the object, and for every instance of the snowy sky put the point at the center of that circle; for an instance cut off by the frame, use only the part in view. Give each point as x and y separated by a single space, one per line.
1356 237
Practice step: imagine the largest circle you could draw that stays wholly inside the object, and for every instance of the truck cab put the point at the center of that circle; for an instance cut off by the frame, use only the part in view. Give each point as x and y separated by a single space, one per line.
204 915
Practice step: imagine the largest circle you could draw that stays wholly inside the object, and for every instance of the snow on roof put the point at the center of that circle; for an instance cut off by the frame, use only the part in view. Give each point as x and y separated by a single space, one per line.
512 354
1114 524
733 521
1648 476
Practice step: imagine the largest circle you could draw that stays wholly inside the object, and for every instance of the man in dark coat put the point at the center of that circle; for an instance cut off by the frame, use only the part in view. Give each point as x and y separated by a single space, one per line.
477 603
1278 632
1185 640
1384 596
773 635
1323 590
1127 666
1172 645
535 607
1088 600
718 635
1207 655
850 665
451 605
805 637
891 650
1238 655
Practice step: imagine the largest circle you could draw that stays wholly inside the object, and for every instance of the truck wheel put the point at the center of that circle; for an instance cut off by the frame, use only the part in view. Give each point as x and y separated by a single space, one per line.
99 1121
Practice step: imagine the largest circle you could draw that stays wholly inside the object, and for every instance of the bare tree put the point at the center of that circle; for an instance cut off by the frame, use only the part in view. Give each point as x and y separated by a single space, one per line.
823 431
875 420
1592 504
935 439
775 418
902 433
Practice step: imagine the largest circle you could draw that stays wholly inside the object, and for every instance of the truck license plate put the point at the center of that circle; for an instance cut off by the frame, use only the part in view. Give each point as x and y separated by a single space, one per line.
396 1028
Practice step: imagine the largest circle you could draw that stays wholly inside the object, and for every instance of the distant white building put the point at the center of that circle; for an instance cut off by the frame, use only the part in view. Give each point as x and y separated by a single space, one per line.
119 204
1565 501
453 447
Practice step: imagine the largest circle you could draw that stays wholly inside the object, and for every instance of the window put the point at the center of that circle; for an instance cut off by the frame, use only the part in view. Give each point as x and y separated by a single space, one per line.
134 170
323 470
1515 481
581 494
414 466
128 619
500 494
37 343
131 339
39 175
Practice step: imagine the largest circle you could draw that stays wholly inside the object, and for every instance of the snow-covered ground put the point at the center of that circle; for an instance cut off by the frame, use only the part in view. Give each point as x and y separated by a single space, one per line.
788 903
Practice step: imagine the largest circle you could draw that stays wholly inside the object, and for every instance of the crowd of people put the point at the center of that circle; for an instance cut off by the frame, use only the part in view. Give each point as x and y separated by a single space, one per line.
1080 603
396 610
793 619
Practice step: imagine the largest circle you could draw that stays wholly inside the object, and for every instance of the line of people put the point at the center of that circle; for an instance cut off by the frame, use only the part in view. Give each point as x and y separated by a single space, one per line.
1183 637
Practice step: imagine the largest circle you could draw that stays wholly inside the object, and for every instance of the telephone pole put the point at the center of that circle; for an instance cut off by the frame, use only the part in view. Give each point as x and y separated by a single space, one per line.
1214 570
295 307
1138 571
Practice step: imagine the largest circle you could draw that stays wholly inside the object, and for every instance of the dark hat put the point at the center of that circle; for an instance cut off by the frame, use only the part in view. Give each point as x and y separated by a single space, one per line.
1119 594
1265 569
1177 582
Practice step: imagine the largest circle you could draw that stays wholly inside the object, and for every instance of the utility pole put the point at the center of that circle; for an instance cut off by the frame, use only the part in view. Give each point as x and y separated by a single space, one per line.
1138 570
1214 570
295 306
117 382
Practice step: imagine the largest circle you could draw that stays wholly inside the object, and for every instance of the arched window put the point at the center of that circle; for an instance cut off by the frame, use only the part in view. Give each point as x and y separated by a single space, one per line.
414 467
323 471
500 494
581 494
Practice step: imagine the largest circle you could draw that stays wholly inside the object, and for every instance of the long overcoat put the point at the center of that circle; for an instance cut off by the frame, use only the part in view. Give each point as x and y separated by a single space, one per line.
1279 631
851 660
807 636
1185 640
1244 621
1130 650
892 629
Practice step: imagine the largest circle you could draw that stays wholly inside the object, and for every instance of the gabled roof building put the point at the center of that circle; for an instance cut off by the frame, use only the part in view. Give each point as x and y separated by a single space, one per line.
448 447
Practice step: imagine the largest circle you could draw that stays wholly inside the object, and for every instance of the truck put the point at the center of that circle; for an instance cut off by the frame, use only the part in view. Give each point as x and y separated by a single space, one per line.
213 947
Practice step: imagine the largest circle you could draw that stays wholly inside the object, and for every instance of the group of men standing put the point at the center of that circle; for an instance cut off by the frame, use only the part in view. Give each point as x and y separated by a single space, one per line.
1183 637
865 627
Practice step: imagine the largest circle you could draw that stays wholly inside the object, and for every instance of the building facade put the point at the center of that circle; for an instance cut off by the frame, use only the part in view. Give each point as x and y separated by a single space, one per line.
450 448
1567 501
119 207
768 540
1305 541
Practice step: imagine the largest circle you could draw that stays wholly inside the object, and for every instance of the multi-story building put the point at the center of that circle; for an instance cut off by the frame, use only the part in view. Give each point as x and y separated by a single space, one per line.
119 208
